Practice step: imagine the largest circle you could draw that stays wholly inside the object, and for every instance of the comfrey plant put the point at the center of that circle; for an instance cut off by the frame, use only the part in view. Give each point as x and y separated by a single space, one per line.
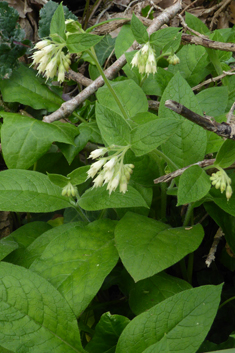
97 237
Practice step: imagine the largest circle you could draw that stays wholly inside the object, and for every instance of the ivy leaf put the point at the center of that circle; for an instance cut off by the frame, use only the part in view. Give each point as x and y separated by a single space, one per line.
38 318
190 313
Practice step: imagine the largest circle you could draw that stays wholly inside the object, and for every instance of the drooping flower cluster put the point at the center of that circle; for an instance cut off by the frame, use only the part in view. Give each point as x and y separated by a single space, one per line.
51 59
173 59
70 191
110 170
145 60
221 181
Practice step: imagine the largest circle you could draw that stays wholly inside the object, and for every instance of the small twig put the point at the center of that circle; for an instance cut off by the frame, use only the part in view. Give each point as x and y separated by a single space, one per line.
178 172
214 79
77 77
184 24
230 116
68 107
223 5
223 129
187 7
205 42
211 256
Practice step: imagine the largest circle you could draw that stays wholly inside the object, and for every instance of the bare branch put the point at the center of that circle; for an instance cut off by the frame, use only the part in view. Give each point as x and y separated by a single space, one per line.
178 172
190 39
68 107
211 256
208 123
214 79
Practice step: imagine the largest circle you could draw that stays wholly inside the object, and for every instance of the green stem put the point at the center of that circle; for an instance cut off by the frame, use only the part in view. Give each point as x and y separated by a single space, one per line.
81 213
92 53
213 56
163 187
188 214
190 256
166 159
226 302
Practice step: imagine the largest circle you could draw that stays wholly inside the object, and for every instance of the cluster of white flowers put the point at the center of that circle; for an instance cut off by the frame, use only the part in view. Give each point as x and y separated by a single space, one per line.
70 191
50 58
110 170
145 60
221 181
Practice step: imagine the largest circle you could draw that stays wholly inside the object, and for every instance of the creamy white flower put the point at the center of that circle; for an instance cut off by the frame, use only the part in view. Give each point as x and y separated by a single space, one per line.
98 181
113 184
123 184
42 44
98 153
229 192
95 167
111 163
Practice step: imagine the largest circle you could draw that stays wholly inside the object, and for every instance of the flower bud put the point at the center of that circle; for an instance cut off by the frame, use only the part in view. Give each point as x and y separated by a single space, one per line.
229 192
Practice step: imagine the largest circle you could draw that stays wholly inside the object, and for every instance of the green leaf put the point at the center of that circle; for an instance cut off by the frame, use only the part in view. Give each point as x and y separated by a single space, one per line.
78 176
147 137
188 144
139 31
162 37
104 48
26 88
151 291
195 23
107 333
124 40
34 250
57 25
23 237
156 84
87 257
99 198
25 140
147 247
58 179
8 19
46 14
113 127
185 319
214 100
129 93
28 191
194 184
193 64
7 246
77 43
226 154
35 313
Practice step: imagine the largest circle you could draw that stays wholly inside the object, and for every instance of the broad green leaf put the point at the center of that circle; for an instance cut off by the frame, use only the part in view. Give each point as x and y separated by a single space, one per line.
193 64
188 144
78 266
194 184
57 25
26 88
178 324
77 43
195 23
129 93
214 100
114 129
35 314
124 40
147 247
79 175
7 246
25 140
46 14
107 333
139 31
35 249
58 179
224 351
156 85
29 191
23 237
147 137
99 198
226 154
104 48
151 291
162 37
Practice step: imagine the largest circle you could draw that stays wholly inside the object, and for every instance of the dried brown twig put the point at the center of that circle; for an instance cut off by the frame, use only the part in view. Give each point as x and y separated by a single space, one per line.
68 107
211 256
